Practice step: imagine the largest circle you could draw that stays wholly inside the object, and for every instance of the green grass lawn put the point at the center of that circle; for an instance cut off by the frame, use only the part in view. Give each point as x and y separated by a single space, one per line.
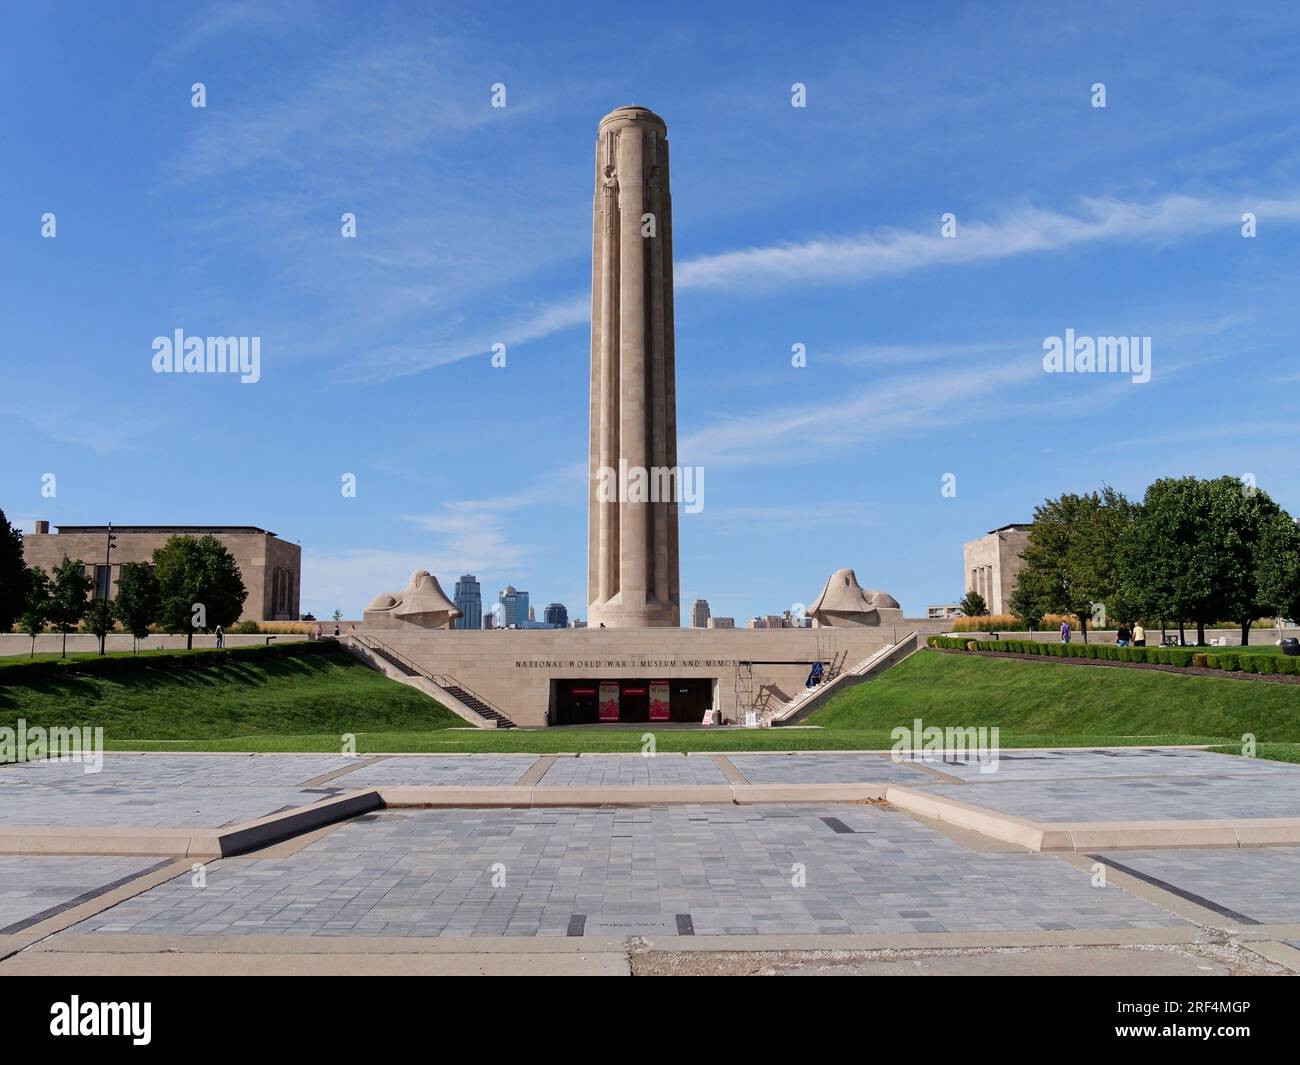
248 696
1052 697
307 703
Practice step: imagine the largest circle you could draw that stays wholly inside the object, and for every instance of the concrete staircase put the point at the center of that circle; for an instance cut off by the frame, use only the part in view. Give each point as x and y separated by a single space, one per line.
476 703
877 662
456 697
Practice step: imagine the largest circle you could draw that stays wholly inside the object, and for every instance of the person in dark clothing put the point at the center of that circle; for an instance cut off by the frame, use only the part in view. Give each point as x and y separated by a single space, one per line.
1123 636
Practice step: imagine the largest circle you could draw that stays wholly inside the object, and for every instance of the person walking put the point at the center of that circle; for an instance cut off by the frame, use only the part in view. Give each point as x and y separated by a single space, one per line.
221 638
1123 636
316 633
1139 635
1065 632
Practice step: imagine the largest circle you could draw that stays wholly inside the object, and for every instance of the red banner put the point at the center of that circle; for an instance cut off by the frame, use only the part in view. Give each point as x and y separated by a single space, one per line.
609 700
659 700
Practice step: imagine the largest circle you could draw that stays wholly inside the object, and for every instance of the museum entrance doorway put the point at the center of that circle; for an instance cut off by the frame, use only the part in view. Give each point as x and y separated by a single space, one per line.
591 702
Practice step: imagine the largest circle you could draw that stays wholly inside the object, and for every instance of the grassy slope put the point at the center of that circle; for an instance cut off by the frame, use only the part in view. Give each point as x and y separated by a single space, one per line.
1059 698
305 704
330 693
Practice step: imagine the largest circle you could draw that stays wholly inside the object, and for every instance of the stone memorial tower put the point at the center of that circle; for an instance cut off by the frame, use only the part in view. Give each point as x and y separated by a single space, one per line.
632 553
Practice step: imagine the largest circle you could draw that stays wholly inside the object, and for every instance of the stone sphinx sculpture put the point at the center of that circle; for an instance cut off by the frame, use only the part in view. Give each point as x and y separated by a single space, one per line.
845 603
421 603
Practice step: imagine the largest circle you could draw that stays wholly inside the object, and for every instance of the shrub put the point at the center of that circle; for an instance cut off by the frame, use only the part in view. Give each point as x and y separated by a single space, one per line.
246 628
1230 662
1200 660
1250 663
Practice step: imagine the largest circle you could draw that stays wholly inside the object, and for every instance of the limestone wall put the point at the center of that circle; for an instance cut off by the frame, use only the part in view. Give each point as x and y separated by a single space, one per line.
513 668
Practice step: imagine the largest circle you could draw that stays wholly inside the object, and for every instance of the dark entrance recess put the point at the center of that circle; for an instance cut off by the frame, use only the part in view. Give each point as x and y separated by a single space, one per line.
577 702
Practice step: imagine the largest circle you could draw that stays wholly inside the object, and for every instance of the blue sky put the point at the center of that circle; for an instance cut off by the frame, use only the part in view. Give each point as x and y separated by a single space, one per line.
816 225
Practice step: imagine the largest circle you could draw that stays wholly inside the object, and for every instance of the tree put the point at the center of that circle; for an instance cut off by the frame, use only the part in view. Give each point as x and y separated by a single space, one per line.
68 590
972 605
1072 552
1277 567
200 585
99 620
1248 528
13 574
36 609
138 602
1027 601
1170 565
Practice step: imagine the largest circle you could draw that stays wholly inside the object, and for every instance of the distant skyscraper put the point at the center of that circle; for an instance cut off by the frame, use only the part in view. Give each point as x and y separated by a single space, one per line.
722 623
469 601
700 614
557 615
514 608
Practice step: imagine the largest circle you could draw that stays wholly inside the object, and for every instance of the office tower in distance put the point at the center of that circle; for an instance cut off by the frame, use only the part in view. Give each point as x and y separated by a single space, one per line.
514 608
469 601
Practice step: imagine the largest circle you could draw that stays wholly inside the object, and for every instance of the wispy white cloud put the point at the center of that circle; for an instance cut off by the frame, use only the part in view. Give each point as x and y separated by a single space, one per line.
872 256
103 432
891 252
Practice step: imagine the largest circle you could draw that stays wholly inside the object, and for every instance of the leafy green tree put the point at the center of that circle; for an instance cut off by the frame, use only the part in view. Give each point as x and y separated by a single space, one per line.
1277 567
36 609
67 603
200 585
99 620
1166 573
1246 526
1027 601
972 605
138 603
1072 556
13 574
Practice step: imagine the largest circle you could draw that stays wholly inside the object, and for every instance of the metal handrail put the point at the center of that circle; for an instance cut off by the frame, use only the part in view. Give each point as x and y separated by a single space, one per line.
443 680
369 641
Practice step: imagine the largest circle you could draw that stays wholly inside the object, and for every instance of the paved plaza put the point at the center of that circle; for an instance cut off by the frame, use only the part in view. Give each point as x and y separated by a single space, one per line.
641 860
829 768
1180 797
32 887
1253 886
706 870
617 770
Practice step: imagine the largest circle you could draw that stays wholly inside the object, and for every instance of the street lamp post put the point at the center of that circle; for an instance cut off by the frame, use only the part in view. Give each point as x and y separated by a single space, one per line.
108 577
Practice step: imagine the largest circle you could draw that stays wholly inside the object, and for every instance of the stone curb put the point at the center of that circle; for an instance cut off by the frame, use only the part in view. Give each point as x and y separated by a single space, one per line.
231 840
1099 835
222 842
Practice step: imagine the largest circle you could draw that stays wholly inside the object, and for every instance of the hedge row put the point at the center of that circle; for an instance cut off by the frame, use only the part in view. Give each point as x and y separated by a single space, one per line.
1165 656
43 669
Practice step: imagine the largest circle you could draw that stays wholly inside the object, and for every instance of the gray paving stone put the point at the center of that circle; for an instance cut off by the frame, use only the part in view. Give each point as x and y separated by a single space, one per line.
208 770
36 885
1179 797
619 770
731 869
143 805
1259 883
481 770
827 768
1153 762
